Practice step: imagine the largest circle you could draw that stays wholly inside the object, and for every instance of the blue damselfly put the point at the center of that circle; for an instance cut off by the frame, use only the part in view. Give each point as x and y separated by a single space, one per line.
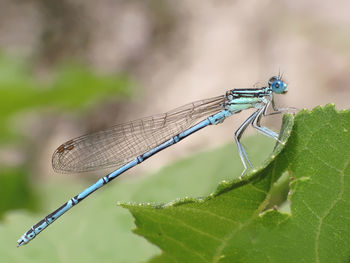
127 145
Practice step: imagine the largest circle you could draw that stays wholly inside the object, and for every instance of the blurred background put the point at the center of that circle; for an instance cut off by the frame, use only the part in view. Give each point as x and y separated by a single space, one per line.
72 67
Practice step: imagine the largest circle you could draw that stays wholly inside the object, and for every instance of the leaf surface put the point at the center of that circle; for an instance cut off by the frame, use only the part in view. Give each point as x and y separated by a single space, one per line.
234 225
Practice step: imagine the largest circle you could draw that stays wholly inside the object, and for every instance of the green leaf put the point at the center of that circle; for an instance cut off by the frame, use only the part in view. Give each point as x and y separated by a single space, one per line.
234 224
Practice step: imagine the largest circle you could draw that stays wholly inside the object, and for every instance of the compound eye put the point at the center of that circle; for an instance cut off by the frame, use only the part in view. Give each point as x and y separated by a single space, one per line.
279 87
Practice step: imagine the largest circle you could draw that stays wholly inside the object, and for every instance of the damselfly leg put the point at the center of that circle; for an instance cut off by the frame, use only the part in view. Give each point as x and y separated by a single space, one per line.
238 134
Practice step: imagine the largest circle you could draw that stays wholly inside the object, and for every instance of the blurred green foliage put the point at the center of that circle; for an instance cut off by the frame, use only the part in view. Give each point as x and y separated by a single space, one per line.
70 87
15 192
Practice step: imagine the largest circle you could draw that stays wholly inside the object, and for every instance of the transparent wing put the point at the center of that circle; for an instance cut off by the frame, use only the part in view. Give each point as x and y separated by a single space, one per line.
122 143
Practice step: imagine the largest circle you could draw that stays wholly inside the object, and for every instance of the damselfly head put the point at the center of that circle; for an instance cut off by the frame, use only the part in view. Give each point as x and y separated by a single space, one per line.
277 85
